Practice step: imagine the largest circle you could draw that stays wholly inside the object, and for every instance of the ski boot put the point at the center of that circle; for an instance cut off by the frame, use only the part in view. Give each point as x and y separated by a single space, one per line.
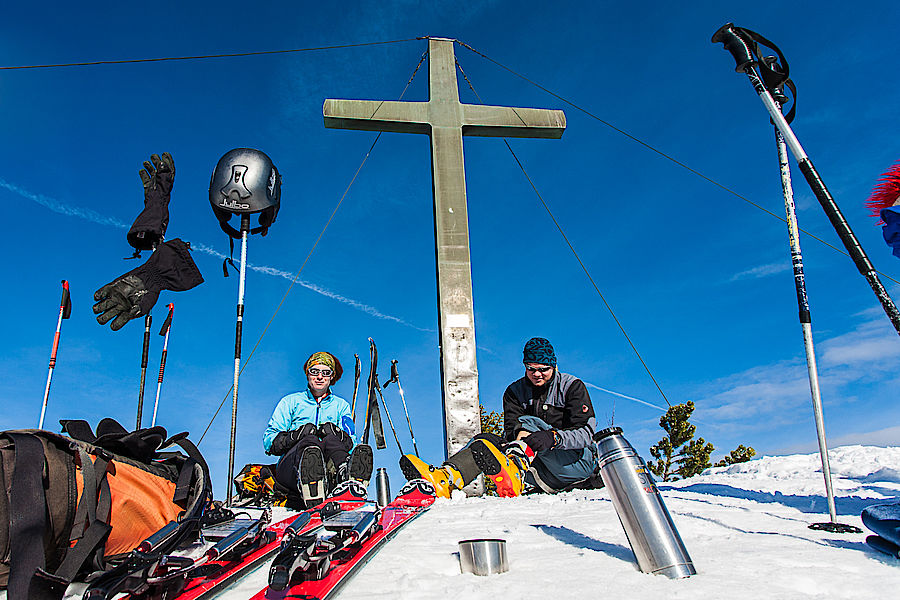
359 465
506 469
444 479
311 476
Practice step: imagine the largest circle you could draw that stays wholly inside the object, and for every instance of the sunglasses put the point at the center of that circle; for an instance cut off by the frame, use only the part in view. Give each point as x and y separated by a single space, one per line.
316 372
542 370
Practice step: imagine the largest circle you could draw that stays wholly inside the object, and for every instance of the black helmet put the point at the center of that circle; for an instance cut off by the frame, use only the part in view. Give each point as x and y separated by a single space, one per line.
245 181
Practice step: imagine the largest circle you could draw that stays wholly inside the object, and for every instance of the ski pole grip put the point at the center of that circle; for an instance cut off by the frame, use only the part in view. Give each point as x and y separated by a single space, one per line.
729 35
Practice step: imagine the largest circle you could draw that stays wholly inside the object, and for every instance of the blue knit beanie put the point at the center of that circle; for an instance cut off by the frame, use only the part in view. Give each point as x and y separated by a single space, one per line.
538 350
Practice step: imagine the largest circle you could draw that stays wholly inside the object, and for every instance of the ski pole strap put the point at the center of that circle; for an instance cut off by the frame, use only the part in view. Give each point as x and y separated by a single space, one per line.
744 46
230 259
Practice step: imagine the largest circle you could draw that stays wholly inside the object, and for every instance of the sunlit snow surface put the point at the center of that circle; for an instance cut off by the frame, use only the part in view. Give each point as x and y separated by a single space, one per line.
745 527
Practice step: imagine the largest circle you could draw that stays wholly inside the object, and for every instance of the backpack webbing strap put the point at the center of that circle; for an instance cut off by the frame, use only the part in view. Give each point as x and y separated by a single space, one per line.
27 517
4 511
86 509
91 526
182 491
183 487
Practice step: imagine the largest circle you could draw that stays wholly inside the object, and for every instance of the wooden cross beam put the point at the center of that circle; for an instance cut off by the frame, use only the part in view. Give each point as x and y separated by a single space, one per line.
445 119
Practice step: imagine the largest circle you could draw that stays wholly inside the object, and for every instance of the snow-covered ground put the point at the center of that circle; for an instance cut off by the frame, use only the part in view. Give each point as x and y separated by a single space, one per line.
745 527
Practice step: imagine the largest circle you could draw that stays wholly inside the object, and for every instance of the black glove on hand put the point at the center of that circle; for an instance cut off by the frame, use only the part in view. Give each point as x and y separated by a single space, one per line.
134 293
158 178
541 440
284 441
326 429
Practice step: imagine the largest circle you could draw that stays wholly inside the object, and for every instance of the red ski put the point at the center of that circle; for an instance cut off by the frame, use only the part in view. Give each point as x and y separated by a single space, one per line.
214 576
341 546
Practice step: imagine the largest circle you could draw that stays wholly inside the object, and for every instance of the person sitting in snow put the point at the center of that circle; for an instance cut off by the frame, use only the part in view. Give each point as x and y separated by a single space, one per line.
312 431
547 443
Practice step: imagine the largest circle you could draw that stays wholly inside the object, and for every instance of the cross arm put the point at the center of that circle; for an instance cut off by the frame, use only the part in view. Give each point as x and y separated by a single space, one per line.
377 115
505 121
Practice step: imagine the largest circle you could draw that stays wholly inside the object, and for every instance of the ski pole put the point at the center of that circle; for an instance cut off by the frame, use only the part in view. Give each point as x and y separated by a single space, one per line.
65 311
357 371
390 421
395 376
805 317
741 44
148 320
167 326
245 229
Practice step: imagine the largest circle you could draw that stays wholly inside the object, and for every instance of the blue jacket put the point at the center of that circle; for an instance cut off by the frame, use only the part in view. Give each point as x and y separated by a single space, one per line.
296 410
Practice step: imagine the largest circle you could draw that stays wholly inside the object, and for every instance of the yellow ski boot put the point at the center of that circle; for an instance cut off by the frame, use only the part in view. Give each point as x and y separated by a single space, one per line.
445 479
506 470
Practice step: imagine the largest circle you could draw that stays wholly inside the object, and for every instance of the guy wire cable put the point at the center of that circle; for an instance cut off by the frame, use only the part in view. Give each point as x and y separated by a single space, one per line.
311 250
659 152
572 248
468 47
203 56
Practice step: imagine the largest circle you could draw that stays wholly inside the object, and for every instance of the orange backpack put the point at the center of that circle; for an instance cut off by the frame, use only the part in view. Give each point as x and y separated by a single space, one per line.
78 505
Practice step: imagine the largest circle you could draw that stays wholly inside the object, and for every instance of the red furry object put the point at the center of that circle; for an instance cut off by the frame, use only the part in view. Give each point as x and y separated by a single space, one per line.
887 192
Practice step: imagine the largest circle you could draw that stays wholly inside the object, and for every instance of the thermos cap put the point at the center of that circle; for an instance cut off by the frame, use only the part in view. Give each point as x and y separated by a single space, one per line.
604 433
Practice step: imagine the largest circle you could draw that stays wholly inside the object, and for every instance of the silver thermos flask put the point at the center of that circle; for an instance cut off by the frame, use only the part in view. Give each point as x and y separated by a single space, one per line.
382 487
654 540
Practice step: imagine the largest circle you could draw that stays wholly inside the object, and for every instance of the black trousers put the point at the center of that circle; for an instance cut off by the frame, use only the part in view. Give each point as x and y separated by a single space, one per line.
335 450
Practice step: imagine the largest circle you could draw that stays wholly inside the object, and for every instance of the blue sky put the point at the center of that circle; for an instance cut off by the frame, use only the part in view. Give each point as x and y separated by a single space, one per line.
700 279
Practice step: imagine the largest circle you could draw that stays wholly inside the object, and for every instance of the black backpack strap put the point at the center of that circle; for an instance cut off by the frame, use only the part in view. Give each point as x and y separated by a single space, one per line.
27 516
185 478
86 509
91 524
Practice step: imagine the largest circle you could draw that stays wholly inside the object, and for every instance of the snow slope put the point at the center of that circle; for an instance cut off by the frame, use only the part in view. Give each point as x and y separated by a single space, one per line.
745 527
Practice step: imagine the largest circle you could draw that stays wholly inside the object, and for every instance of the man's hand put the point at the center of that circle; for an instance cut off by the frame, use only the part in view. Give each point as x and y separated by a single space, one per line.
542 440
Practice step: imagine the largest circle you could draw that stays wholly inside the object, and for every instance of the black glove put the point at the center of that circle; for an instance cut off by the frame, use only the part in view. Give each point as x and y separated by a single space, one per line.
541 440
284 441
326 429
150 226
134 293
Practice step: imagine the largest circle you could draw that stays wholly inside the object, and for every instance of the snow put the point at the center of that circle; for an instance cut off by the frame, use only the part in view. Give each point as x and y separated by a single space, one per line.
745 527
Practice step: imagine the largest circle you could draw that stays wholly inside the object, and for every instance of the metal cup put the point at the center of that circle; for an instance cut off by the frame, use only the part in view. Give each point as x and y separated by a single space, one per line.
483 557
654 540
382 487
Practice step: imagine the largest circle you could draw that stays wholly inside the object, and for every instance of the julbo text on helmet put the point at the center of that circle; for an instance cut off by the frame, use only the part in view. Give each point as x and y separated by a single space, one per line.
245 181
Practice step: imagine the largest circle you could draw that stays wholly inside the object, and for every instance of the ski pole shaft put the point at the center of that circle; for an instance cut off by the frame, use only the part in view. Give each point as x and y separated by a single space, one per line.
148 320
804 314
390 421
746 63
357 370
63 303
167 326
245 229
395 376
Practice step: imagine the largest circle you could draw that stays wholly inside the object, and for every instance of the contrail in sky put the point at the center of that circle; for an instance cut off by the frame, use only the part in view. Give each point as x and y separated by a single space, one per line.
370 310
638 400
64 209
95 217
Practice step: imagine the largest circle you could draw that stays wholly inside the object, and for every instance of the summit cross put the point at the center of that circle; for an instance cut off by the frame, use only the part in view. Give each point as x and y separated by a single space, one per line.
445 119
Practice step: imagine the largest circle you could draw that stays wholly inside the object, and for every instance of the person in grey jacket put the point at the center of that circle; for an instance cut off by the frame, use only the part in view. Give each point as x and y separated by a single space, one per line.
551 412
547 443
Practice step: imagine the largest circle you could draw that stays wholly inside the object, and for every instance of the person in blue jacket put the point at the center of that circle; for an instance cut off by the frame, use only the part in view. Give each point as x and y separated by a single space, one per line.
313 434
